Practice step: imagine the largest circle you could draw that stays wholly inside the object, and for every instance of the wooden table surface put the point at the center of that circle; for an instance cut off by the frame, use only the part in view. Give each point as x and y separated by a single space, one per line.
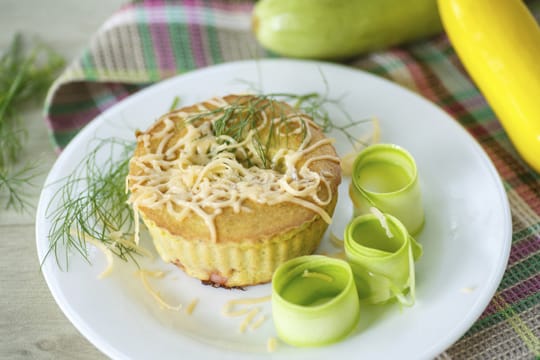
31 324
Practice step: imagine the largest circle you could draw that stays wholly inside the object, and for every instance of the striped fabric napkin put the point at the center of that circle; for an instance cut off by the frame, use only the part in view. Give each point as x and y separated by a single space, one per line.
147 41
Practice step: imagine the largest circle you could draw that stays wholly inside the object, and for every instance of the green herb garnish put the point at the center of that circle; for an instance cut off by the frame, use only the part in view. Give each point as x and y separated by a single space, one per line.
24 77
175 103
12 185
237 119
92 202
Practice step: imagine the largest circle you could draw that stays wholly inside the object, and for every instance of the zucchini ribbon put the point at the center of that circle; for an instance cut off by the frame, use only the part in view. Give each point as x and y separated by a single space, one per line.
385 176
381 254
314 301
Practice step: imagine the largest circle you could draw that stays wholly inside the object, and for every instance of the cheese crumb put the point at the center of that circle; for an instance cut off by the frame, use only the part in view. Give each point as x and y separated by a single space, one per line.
249 312
256 324
191 307
249 301
382 219
247 320
271 344
156 295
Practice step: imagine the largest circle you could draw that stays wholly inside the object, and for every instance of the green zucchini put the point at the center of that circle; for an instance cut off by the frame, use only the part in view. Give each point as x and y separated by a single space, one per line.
335 29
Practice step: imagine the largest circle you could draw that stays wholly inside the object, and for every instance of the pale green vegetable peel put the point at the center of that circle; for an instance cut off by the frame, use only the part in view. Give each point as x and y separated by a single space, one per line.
337 29
383 266
385 176
314 301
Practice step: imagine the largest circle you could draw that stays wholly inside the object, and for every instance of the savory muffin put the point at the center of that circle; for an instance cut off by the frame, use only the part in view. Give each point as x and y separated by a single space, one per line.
232 187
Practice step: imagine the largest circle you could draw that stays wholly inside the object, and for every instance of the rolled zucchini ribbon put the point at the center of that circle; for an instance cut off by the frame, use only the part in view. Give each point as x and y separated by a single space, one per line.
385 176
314 301
382 258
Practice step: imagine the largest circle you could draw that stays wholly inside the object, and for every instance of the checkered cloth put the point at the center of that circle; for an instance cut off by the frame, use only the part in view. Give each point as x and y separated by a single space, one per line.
147 41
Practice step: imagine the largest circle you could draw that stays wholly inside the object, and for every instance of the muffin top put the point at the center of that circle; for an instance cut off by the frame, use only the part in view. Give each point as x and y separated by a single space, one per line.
233 169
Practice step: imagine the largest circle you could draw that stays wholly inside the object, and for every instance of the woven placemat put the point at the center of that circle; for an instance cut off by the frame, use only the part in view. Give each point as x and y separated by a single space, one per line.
148 41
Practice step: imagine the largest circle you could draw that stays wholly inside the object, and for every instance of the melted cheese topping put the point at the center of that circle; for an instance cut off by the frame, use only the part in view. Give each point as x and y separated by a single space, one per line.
202 173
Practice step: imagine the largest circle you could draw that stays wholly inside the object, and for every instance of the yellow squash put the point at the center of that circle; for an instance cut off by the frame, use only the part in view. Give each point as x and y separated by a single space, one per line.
498 42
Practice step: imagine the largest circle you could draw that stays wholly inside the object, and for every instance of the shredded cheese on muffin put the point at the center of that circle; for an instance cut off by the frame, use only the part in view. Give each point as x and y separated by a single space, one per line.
202 173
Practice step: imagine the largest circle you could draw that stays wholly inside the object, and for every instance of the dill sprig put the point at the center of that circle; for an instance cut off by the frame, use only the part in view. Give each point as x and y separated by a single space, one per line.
92 202
175 103
12 186
25 76
238 118
318 105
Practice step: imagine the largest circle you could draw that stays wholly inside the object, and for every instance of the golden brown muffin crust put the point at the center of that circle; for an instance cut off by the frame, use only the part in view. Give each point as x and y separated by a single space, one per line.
263 221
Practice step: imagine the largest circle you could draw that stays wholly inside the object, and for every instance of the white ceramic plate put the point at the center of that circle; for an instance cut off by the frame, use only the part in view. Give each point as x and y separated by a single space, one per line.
466 238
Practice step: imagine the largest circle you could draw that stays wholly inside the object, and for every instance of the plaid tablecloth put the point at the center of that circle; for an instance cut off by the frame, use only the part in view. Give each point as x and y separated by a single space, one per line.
147 41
